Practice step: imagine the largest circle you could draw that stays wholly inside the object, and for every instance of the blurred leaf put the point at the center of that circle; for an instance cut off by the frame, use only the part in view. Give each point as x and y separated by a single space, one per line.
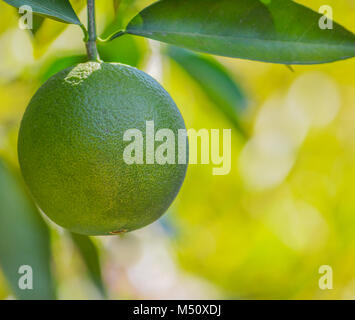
4 291
60 64
126 9
90 255
281 31
9 17
24 239
116 5
60 10
126 50
214 79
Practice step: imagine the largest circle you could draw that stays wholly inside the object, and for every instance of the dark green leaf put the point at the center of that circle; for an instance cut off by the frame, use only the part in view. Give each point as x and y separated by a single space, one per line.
24 239
279 31
90 255
60 10
214 80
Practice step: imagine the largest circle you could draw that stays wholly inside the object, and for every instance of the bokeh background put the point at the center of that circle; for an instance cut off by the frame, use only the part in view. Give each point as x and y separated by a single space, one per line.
262 232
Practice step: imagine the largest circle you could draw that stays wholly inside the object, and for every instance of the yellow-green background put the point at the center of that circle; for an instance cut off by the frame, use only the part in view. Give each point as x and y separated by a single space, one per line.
261 232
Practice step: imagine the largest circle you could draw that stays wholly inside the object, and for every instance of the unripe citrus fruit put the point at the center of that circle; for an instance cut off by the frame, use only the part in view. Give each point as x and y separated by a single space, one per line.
71 149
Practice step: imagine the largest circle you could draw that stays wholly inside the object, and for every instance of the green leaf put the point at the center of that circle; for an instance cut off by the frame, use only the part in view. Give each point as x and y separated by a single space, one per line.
215 81
24 239
279 31
60 10
90 255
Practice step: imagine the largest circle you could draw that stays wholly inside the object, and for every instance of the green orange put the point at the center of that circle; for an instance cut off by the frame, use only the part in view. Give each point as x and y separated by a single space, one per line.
71 149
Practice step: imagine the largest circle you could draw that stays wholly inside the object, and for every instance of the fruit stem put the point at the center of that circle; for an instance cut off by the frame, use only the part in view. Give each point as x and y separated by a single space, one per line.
91 47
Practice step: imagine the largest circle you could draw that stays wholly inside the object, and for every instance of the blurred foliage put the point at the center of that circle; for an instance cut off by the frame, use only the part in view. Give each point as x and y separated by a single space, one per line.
24 239
128 50
263 231
215 81
89 253
125 50
49 29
